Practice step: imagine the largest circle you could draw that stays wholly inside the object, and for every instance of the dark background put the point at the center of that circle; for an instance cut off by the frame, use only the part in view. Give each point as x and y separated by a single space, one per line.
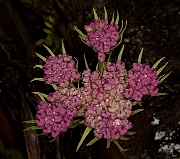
152 24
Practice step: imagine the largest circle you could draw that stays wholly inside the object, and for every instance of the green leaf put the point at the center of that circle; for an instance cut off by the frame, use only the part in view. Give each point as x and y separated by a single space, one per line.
159 71
33 128
41 57
117 18
48 40
47 31
63 48
80 33
86 64
51 19
105 13
41 95
37 79
38 66
40 42
52 54
123 138
120 53
161 94
29 121
162 79
95 14
49 25
108 143
157 63
140 56
112 20
136 111
92 141
86 132
130 133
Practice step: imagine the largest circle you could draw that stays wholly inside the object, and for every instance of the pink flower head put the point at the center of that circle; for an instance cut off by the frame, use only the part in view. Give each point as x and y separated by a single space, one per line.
60 69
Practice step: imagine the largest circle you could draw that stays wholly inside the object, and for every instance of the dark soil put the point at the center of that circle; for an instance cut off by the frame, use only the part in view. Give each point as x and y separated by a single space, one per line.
152 25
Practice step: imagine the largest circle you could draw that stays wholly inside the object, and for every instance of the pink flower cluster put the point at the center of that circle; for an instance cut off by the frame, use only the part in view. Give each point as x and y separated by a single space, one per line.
56 115
106 110
142 80
102 38
60 69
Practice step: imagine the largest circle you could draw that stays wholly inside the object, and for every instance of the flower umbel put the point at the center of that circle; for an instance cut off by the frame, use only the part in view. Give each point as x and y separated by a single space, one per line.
103 97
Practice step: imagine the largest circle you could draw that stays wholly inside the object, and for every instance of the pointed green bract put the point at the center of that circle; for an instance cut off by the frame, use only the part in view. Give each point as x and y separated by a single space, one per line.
92 141
157 63
101 25
123 138
37 79
86 64
135 102
112 20
54 86
130 133
38 66
162 79
105 14
117 18
95 14
41 134
82 39
121 26
86 132
76 63
161 94
63 48
117 144
123 29
52 54
41 57
109 57
159 71
108 143
33 128
117 44
29 121
136 111
41 95
49 25
80 33
120 53
101 67
140 56
97 67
